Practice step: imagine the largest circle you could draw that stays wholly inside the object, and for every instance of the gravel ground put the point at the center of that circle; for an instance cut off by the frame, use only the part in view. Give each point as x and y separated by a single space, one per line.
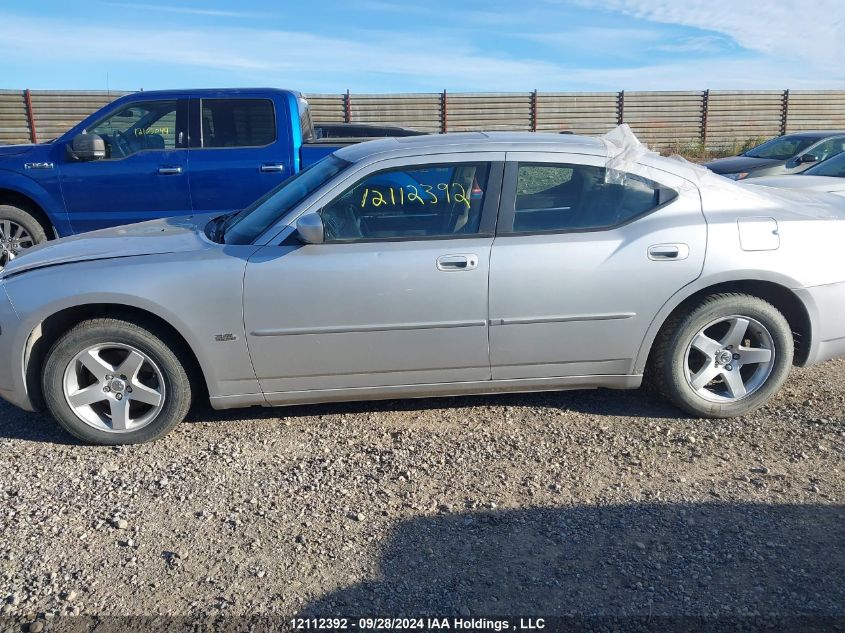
591 502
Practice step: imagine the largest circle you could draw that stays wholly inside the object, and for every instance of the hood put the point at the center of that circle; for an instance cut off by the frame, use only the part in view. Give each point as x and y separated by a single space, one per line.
156 237
16 150
736 164
799 181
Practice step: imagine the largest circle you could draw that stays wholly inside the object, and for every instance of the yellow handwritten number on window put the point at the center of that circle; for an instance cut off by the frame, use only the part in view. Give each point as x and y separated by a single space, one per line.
454 192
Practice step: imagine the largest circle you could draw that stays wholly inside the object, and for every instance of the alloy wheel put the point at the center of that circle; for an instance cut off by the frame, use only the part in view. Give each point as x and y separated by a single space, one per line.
14 238
114 387
729 359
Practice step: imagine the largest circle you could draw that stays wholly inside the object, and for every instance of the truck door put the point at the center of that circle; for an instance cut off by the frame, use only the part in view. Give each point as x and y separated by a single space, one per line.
143 176
240 149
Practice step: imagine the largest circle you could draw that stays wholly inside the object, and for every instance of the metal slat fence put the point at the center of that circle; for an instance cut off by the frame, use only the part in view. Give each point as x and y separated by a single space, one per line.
709 119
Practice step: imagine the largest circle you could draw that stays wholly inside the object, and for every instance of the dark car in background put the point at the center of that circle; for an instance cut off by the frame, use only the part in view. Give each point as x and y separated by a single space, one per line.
787 154
827 176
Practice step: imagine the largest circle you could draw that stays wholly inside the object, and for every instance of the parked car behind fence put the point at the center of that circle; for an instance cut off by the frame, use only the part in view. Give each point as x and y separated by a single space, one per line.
787 154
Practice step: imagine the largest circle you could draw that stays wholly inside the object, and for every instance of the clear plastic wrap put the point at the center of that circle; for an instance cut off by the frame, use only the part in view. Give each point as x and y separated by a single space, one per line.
627 154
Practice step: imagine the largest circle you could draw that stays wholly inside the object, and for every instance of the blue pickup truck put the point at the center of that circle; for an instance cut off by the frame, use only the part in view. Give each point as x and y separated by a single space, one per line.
162 153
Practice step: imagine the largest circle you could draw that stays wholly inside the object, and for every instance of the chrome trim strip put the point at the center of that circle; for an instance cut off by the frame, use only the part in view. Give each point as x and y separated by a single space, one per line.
567 362
564 319
382 327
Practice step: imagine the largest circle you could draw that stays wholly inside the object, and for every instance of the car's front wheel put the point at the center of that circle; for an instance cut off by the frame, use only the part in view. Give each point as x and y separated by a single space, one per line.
18 231
113 381
725 357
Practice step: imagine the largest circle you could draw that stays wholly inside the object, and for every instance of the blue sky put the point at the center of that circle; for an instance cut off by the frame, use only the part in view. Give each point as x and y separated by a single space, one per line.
422 46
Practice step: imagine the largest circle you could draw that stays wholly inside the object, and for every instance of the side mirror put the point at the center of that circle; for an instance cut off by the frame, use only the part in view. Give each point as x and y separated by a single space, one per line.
309 228
808 158
88 147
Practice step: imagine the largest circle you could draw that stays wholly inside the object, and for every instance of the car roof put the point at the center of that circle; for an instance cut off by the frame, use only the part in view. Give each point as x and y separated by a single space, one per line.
473 142
212 91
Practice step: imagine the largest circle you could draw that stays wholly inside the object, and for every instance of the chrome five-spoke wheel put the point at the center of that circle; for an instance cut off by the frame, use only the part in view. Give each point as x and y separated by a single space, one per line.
114 387
729 359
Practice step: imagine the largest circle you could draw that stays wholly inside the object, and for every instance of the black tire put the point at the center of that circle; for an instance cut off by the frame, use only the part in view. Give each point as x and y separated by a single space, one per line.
669 354
158 346
25 220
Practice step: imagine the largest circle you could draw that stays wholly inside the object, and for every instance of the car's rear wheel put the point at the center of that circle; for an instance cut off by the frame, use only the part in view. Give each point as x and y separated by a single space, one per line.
111 381
725 357
18 231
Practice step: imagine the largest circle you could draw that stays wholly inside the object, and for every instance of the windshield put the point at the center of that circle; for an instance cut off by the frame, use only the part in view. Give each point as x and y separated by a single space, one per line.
781 148
831 167
247 225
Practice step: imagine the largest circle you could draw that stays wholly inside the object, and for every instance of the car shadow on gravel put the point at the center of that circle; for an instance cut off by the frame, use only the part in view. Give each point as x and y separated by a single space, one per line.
32 427
642 403
614 561
638 403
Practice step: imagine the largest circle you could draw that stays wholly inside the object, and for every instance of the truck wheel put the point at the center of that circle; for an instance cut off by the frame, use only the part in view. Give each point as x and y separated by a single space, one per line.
110 381
18 232
725 357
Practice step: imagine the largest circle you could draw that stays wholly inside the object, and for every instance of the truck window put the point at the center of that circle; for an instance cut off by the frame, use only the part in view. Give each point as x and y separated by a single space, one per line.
148 125
238 122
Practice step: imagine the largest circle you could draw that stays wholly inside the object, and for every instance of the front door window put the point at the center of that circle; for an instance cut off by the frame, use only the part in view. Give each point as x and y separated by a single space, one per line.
149 125
410 202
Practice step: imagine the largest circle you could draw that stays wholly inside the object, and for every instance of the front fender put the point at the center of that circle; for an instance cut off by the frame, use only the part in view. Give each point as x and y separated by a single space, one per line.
202 303
50 202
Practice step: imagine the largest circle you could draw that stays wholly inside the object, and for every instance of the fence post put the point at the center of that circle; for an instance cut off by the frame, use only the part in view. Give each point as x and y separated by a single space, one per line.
30 116
347 107
784 112
705 102
534 110
620 108
444 119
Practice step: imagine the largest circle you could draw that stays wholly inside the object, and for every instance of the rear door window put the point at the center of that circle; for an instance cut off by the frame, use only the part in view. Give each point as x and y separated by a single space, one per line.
237 122
569 197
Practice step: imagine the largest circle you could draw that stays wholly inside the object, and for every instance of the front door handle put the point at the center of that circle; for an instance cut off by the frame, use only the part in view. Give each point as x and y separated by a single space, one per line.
169 170
668 252
271 168
449 263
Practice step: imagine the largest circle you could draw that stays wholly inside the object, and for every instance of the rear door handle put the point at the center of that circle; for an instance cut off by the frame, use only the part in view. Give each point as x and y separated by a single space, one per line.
668 252
271 168
168 170
449 263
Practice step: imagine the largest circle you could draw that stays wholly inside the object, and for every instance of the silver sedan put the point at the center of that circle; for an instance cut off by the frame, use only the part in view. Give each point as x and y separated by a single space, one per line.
429 266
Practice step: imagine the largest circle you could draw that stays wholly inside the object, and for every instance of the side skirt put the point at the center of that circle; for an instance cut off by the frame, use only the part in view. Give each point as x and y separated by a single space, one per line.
481 387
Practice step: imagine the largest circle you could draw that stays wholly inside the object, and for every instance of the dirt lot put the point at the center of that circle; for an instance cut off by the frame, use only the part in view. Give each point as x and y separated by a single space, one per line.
580 502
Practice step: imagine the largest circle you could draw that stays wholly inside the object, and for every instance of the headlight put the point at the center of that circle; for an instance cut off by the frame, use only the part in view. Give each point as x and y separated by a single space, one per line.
737 176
